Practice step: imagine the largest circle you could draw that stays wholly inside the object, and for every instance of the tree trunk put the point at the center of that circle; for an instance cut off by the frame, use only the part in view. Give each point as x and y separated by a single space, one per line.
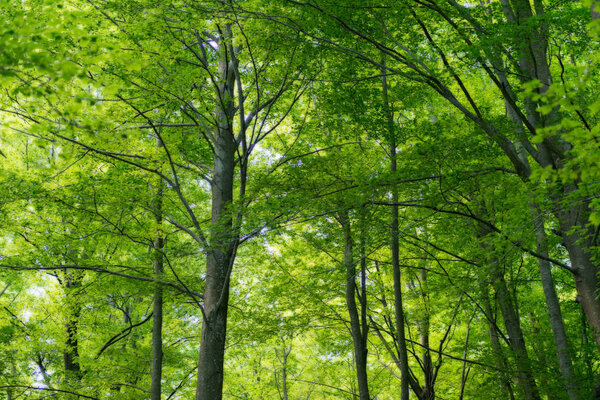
71 353
556 320
533 64
517 342
584 270
221 251
157 307
511 318
428 389
500 359
554 311
358 334
464 375
395 247
13 374
285 352
284 375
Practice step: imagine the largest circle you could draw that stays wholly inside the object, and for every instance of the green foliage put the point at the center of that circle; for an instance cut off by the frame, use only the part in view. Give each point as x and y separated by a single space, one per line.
106 104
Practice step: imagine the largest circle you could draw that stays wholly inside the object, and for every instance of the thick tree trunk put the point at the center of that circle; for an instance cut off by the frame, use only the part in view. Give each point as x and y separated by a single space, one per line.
556 320
395 247
221 253
71 352
157 307
358 334
577 240
214 328
533 64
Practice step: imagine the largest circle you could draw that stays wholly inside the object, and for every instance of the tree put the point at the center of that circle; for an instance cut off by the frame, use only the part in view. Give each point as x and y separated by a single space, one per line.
307 199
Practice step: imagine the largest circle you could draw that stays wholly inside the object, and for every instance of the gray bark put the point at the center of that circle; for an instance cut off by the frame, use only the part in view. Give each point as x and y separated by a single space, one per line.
157 307
533 64
71 353
500 359
577 240
554 311
395 247
359 333
221 253
427 391
284 383
515 333
285 352
556 320
465 371
511 321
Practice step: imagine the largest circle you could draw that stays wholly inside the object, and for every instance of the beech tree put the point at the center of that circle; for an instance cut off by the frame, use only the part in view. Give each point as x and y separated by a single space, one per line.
299 199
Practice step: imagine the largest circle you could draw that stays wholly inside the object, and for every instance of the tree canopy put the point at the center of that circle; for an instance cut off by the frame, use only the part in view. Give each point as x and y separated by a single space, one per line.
247 199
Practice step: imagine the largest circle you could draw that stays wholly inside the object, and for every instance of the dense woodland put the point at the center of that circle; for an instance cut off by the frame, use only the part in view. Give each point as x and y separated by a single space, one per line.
294 200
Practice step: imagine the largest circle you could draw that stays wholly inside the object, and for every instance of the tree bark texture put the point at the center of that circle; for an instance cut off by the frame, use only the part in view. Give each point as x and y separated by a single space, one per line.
533 63
500 360
71 353
464 375
221 251
358 333
516 339
556 320
428 392
577 240
395 247
157 306
285 352
511 319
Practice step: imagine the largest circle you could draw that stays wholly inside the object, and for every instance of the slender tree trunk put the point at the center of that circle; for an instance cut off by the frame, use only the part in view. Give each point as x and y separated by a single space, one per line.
515 333
13 374
284 375
157 322
554 311
285 352
9 392
358 334
395 246
465 370
221 253
500 359
39 360
363 306
428 389
511 321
